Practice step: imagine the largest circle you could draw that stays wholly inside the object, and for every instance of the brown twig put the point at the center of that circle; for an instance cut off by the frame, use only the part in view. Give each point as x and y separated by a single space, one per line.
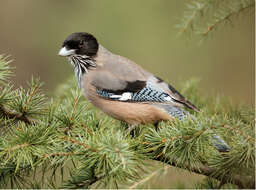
11 115
33 92
250 139
73 110
74 141
227 17
190 21
87 129
16 147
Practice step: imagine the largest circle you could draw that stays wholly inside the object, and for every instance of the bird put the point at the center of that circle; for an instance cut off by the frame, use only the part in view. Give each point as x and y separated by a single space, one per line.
123 89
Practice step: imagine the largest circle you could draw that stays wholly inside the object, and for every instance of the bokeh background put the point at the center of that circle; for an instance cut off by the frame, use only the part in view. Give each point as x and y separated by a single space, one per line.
33 31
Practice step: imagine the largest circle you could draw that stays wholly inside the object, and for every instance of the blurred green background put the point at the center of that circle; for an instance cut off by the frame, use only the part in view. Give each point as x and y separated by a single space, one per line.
32 33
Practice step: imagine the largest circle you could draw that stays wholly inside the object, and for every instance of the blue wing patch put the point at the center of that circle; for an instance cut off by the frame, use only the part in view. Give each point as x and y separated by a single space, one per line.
147 94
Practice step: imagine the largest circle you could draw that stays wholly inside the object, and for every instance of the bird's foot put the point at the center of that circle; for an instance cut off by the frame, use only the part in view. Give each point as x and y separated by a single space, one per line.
131 130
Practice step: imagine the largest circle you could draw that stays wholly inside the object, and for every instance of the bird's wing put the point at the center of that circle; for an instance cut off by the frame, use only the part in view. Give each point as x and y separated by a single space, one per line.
176 96
115 84
123 80
111 86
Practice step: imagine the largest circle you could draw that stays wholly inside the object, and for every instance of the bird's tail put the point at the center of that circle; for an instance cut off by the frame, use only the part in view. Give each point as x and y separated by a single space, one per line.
181 114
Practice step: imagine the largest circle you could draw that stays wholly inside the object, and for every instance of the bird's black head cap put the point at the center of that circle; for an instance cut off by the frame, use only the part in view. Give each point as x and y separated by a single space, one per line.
83 43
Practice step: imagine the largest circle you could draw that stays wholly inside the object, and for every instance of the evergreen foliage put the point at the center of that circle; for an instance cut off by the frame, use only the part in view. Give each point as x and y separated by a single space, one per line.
203 17
64 142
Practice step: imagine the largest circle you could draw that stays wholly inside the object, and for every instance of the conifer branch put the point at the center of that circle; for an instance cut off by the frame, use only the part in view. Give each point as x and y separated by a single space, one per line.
205 16
240 181
225 18
147 178
69 139
197 134
19 146
236 129
11 115
198 9
100 150
5 69
30 97
74 108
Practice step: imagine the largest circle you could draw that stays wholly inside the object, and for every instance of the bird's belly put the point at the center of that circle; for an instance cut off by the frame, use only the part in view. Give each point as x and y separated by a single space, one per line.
132 113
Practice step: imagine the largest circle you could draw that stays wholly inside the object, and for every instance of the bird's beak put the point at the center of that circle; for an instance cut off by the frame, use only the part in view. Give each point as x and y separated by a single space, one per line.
65 52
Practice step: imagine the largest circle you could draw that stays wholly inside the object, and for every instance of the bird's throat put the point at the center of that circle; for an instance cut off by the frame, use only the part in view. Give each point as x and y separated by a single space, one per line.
81 65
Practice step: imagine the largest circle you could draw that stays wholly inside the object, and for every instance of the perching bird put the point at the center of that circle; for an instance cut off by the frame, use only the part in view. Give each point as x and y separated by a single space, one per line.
121 88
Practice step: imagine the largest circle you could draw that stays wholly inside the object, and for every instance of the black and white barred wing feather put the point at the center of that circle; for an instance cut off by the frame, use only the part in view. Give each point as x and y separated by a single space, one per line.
148 93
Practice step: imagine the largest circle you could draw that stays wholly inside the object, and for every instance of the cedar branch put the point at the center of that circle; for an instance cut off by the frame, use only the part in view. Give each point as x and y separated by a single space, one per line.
240 181
12 115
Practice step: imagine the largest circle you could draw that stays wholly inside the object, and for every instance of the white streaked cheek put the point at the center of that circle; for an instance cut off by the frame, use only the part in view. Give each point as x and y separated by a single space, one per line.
65 52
